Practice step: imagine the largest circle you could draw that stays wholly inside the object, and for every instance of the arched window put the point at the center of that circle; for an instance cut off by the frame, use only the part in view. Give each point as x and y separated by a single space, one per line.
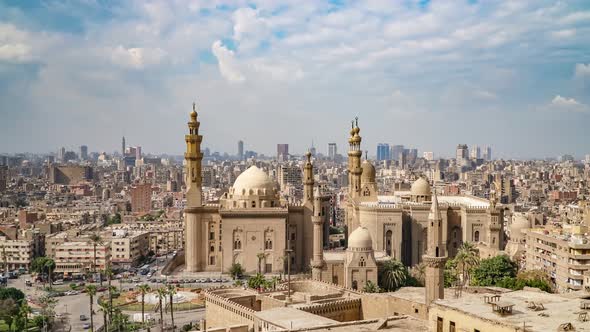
253 204
212 249
354 285
388 235
476 236
362 262
212 260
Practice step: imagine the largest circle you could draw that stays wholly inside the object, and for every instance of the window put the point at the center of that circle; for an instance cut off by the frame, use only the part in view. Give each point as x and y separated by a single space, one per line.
212 260
451 326
354 285
292 236
212 249
362 262
253 204
439 324
476 236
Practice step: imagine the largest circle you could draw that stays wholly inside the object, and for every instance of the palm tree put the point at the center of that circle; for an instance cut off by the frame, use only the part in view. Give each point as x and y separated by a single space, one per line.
161 293
91 291
171 291
49 265
260 257
467 258
143 289
106 311
393 275
108 272
419 273
96 239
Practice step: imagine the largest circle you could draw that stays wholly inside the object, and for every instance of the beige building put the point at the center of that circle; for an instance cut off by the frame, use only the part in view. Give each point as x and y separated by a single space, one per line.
250 226
15 254
128 247
77 257
563 255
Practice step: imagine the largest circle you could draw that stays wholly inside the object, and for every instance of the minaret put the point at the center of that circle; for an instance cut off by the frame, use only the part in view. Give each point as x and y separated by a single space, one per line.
436 256
318 229
495 220
193 228
308 181
354 161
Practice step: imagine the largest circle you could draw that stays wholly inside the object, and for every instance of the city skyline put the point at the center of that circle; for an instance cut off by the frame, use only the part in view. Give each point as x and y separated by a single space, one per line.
512 75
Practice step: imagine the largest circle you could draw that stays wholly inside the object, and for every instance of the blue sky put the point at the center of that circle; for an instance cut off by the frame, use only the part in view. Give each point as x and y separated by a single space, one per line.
428 74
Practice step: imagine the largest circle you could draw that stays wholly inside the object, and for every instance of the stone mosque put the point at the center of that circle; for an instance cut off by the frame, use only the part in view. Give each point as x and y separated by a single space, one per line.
252 226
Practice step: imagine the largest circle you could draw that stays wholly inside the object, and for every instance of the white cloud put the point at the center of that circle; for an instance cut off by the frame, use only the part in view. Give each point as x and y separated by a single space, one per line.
567 104
562 34
14 44
279 71
15 52
582 70
137 57
227 62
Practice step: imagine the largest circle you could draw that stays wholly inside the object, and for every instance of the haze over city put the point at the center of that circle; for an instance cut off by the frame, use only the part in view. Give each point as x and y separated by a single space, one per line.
514 75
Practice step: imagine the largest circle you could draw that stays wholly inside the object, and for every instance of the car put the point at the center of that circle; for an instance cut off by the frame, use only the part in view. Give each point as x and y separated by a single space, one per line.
83 317
86 326
58 282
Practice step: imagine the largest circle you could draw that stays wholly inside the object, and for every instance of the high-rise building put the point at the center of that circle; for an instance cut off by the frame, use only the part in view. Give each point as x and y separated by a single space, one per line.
487 153
475 152
241 150
383 152
282 152
428 155
137 152
141 198
412 155
462 152
587 159
3 177
396 150
61 153
83 152
123 146
332 151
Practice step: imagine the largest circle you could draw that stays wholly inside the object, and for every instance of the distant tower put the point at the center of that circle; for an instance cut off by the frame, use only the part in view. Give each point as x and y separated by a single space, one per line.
354 161
435 257
495 216
193 230
83 152
318 249
332 151
241 150
123 146
308 180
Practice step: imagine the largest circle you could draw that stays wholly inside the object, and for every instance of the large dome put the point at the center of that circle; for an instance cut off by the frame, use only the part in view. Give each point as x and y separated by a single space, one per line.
254 181
420 187
360 239
368 174
519 223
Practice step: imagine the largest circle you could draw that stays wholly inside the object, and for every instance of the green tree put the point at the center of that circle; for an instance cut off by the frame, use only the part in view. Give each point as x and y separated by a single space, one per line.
12 293
492 270
143 289
467 258
161 293
256 281
236 271
450 273
96 239
108 272
393 275
370 287
91 291
418 272
47 312
171 291
106 310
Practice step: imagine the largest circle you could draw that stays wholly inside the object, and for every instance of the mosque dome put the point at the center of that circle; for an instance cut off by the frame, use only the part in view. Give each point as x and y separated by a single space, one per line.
360 239
368 174
420 187
519 223
254 181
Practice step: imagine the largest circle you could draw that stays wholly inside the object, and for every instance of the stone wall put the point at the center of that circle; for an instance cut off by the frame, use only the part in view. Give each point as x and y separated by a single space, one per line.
342 311
221 312
385 305
175 262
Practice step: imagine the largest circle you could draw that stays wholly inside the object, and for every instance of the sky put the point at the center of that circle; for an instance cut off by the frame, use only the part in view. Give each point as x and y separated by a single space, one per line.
514 75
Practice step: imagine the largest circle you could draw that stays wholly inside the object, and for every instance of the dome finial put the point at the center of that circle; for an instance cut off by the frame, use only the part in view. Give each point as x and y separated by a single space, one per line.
366 154
194 112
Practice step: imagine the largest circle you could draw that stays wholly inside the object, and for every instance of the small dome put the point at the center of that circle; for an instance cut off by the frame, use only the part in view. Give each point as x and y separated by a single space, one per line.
360 239
253 179
368 174
420 187
519 223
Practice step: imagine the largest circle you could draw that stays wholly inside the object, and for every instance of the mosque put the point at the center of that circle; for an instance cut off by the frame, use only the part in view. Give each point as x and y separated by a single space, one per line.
252 226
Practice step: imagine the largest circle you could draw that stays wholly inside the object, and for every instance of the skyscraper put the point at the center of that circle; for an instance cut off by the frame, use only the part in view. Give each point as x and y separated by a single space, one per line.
462 152
332 151
475 152
61 154
241 150
487 153
396 150
83 152
282 152
123 146
383 152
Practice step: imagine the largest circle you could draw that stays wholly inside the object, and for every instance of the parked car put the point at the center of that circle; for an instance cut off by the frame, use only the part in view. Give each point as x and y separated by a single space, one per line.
58 282
86 326
83 317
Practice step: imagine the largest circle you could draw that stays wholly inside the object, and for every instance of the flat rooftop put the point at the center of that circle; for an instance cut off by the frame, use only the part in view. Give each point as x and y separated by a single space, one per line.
558 309
291 318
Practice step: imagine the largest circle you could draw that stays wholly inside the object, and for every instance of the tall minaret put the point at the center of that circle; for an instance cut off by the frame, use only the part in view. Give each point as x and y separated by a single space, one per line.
308 181
318 229
354 161
436 256
193 230
495 222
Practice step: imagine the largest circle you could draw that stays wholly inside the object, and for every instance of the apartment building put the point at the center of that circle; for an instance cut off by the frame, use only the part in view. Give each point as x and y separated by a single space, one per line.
16 254
563 254
127 247
77 256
